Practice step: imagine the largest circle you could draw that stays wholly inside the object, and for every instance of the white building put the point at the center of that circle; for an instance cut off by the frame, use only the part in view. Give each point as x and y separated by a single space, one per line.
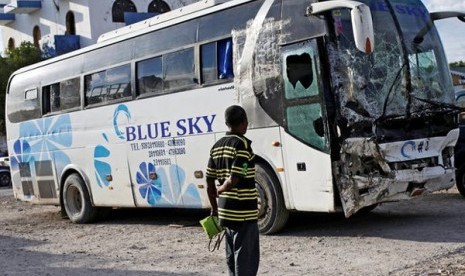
59 26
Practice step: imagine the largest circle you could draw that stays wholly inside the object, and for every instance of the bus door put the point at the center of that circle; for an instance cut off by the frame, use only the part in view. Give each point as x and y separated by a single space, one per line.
306 149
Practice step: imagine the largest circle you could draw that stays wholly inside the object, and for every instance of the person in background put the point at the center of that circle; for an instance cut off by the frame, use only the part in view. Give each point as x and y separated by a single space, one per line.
232 164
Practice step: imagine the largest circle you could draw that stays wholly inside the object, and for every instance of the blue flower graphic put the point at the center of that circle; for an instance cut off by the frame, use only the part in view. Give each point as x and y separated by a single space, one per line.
149 189
22 151
47 138
164 192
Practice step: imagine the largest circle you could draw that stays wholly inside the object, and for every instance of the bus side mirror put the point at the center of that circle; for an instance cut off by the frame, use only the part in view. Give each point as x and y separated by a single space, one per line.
436 16
362 22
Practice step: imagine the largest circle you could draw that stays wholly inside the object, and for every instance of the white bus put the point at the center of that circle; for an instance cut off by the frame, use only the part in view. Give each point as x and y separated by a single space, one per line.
349 105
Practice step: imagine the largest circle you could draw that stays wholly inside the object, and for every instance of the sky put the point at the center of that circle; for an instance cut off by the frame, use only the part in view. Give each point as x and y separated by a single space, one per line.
452 31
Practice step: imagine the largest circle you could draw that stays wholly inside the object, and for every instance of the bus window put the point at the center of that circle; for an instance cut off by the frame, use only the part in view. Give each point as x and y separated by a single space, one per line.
216 60
118 82
112 84
179 69
208 62
29 107
30 94
22 104
298 118
149 76
225 62
50 98
300 76
303 111
69 93
61 96
93 87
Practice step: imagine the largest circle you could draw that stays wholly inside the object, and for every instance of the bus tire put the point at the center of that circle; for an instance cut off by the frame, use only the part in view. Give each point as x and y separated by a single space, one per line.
272 212
460 180
76 200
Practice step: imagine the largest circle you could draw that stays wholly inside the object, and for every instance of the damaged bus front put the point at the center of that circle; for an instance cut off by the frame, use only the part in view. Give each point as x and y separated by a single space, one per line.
393 110
364 82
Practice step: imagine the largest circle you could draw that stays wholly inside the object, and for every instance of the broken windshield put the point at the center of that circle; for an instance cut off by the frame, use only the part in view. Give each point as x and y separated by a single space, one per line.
400 75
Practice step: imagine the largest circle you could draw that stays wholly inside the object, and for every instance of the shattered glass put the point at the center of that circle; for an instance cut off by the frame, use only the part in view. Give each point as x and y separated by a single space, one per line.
400 77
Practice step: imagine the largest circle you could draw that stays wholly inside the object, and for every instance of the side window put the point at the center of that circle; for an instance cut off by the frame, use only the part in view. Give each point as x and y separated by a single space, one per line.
208 62
50 98
61 96
23 104
30 108
118 82
216 60
94 86
149 76
302 100
69 93
31 94
109 85
179 69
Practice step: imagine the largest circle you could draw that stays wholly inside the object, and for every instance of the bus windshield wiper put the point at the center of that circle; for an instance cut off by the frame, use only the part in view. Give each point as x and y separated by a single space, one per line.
383 115
435 104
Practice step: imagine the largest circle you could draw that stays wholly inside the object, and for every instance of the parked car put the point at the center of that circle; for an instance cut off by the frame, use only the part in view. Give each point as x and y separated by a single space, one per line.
460 146
5 176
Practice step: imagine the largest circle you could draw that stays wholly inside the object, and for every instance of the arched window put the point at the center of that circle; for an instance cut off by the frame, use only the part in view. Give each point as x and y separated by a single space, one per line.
158 6
70 24
36 35
121 6
11 43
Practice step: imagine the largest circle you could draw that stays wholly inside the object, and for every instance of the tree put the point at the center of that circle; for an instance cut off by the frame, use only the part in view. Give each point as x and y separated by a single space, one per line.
25 54
457 64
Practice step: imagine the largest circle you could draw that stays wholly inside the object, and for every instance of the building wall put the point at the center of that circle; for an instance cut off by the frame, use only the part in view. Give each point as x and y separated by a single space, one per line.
93 18
101 12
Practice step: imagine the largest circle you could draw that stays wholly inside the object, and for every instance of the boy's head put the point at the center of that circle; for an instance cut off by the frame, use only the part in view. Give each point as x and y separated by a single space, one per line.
236 118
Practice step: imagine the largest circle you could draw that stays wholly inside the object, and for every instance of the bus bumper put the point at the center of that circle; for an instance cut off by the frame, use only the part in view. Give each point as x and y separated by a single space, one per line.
370 173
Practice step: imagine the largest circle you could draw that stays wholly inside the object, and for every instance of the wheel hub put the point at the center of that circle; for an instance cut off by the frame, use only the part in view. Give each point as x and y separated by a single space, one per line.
262 202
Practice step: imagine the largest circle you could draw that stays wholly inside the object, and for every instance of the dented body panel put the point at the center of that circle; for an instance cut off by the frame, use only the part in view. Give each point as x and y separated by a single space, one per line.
373 173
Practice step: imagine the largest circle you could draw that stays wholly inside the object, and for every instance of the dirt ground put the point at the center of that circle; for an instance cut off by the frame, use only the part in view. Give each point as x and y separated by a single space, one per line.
424 236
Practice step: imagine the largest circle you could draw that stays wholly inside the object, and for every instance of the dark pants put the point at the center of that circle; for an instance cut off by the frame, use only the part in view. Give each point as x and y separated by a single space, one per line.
243 249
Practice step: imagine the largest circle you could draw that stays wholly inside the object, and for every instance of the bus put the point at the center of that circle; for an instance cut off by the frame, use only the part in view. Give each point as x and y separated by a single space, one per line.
350 104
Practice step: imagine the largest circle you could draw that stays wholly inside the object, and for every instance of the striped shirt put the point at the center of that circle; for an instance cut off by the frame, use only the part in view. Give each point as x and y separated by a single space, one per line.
233 155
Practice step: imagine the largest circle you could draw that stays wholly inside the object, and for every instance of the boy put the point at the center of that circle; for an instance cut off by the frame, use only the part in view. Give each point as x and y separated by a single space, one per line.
232 164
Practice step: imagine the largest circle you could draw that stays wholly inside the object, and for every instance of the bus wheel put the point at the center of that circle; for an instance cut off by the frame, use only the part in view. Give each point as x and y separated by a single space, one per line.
460 180
76 200
272 212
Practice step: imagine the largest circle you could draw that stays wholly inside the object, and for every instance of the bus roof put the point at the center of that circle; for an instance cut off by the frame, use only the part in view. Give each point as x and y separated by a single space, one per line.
155 23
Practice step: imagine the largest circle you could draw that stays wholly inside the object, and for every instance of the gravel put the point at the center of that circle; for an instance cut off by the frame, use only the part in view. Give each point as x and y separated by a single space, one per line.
423 236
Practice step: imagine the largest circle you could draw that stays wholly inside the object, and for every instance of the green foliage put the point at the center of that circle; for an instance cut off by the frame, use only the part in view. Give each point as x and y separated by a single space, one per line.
14 59
457 64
